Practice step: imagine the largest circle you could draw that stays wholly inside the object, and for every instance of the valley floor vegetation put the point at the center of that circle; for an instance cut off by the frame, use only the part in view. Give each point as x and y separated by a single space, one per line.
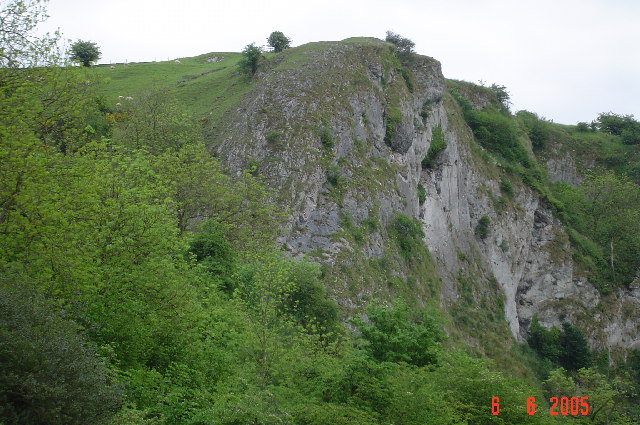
140 284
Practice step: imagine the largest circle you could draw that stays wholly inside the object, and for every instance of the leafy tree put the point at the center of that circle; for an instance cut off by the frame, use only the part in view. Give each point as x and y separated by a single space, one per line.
625 126
470 383
18 46
502 94
583 127
278 41
251 55
404 47
210 247
545 342
309 302
358 380
85 52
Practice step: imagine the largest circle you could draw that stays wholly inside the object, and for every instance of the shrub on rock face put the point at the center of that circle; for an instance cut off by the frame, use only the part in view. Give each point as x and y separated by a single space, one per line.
408 234
482 228
438 144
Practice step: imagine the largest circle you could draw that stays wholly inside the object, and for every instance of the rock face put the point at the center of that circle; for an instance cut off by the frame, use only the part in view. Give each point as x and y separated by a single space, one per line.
340 132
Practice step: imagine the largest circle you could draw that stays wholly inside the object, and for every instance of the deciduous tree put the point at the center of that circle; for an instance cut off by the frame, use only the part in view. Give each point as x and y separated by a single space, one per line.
85 52
278 41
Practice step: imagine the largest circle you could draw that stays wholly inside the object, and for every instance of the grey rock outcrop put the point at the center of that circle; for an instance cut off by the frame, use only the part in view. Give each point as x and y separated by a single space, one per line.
345 91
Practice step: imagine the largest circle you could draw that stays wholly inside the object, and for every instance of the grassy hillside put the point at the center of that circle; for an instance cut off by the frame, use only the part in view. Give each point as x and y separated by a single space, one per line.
209 83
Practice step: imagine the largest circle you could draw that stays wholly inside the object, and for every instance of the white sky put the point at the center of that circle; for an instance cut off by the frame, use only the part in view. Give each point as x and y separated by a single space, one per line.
566 60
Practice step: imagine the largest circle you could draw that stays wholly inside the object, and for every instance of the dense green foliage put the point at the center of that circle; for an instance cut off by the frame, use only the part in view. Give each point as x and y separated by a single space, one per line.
608 395
84 52
606 207
278 41
393 335
566 347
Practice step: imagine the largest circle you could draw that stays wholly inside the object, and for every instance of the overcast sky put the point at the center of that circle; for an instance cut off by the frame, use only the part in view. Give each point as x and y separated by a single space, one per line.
566 60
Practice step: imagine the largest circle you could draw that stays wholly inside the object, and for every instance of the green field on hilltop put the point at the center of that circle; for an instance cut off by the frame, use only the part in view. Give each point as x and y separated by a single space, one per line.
204 83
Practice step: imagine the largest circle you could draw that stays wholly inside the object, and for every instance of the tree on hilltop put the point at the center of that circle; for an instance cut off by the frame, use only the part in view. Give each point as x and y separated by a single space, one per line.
278 41
404 46
85 52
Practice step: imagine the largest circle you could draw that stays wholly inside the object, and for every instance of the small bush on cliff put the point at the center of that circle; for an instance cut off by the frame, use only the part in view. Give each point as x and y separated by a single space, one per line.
391 122
422 194
408 234
326 138
482 228
506 187
438 144
334 175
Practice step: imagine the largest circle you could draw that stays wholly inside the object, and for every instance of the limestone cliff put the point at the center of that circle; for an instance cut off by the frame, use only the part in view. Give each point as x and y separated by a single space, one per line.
340 130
